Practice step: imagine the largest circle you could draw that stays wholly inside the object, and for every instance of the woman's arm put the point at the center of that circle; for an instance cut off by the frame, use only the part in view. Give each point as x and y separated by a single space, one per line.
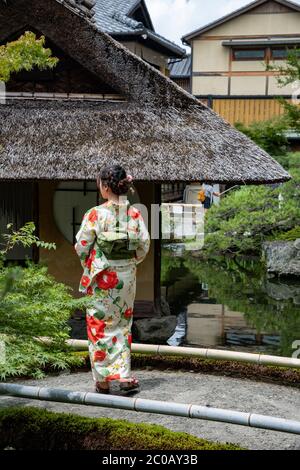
86 235
143 241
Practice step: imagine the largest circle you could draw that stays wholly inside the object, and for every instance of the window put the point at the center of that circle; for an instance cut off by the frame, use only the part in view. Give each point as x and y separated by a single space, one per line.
248 54
281 53
71 200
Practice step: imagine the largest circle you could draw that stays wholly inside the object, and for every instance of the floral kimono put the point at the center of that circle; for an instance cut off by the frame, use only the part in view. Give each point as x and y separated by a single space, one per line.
111 241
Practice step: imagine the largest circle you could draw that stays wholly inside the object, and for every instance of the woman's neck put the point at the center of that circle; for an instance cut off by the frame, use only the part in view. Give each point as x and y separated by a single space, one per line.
117 199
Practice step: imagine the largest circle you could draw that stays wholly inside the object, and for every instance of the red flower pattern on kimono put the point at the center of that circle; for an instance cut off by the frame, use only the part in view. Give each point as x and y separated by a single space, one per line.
134 213
108 378
85 281
90 259
90 290
95 329
129 339
93 216
107 279
99 356
128 313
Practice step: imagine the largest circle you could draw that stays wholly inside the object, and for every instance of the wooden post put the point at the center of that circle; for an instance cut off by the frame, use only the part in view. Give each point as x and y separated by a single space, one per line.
157 255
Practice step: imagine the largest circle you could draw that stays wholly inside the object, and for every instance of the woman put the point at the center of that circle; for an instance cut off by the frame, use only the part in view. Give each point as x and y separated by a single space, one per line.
111 241
209 193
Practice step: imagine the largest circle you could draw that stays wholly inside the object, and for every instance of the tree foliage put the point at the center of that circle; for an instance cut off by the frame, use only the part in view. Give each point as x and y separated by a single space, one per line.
269 135
249 216
25 54
33 305
287 74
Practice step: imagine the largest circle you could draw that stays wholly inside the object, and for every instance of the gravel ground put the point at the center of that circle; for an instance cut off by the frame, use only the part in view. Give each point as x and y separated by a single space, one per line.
188 387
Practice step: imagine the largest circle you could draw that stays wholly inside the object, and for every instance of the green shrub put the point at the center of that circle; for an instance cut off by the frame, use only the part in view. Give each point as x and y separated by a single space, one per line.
269 135
289 160
33 304
251 215
39 429
291 235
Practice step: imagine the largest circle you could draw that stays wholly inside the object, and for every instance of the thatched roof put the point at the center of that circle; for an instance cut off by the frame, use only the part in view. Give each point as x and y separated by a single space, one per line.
72 140
81 7
161 133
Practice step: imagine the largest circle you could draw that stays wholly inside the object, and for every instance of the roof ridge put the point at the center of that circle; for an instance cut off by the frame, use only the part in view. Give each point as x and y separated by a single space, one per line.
131 22
234 14
83 7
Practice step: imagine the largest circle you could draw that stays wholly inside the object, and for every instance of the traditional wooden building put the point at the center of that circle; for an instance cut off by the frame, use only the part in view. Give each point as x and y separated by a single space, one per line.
102 104
230 57
181 72
129 22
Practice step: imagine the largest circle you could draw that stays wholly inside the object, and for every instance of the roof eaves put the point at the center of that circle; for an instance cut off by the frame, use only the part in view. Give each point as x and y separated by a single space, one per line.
166 43
262 42
135 32
185 39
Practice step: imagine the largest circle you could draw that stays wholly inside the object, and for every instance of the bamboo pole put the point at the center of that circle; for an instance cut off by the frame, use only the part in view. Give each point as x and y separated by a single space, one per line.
205 353
151 406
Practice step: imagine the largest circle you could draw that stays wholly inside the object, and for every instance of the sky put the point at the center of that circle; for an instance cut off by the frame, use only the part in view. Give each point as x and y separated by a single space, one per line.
175 18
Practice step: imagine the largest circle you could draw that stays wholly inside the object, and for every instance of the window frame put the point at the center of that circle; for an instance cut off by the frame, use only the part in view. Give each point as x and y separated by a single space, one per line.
248 59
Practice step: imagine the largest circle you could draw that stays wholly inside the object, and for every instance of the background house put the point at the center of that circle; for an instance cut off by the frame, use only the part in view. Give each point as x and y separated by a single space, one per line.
230 55
129 22
181 72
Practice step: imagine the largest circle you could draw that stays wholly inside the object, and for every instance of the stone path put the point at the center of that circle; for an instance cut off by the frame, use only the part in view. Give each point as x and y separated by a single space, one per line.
195 388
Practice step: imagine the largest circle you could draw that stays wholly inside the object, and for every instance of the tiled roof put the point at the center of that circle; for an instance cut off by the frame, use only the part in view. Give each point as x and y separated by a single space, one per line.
83 7
112 16
108 12
181 68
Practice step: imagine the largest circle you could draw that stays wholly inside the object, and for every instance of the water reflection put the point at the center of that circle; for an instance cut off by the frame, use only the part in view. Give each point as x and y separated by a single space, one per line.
230 304
179 335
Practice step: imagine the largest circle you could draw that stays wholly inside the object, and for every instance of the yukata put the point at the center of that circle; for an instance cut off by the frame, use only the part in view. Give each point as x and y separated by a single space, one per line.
110 243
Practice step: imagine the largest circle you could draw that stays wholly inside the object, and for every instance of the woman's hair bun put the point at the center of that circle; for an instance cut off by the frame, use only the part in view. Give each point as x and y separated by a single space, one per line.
116 179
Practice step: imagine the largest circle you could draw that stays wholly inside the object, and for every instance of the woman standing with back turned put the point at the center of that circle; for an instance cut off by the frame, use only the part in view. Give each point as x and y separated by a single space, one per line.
111 241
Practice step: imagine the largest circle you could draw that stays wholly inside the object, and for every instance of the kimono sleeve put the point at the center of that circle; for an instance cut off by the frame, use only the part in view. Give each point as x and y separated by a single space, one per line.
86 236
143 241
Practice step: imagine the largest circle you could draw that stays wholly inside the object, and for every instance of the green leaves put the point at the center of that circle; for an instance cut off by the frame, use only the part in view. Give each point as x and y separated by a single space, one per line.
269 135
33 304
251 215
287 74
290 70
120 285
99 315
25 54
24 236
